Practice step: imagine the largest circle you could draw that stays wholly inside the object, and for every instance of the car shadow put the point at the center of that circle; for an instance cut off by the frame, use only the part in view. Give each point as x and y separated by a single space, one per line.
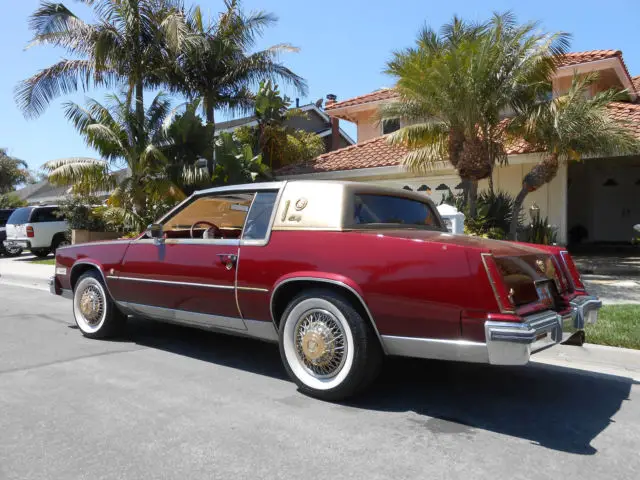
558 408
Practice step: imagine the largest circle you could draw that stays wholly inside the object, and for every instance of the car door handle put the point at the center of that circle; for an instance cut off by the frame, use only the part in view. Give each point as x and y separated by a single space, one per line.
228 259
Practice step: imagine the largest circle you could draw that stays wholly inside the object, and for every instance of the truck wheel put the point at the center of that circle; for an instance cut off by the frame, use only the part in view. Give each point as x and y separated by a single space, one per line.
59 241
327 348
13 251
93 308
41 252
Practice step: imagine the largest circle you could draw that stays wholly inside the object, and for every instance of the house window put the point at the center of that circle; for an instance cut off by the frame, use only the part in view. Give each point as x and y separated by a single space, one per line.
389 126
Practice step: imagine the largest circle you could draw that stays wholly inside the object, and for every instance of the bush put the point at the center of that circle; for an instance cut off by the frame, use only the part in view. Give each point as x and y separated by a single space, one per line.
539 231
78 210
11 200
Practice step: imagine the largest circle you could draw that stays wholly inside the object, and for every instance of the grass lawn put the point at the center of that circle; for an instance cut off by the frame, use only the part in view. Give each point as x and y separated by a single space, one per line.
618 326
44 261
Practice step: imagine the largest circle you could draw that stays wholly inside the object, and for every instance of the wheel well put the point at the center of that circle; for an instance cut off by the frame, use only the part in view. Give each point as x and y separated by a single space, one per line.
289 290
76 272
57 236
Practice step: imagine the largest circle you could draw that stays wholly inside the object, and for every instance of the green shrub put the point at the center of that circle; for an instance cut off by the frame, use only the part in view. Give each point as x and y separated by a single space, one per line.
539 231
78 210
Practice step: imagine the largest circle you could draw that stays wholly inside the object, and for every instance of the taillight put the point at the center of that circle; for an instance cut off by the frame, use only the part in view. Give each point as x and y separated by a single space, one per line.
503 296
572 269
30 232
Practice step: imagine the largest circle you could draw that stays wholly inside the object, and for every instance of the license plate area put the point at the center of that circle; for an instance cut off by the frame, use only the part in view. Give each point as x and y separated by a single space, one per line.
543 289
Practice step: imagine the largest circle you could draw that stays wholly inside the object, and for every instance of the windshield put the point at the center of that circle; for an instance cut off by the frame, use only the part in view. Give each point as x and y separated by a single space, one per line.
390 210
20 216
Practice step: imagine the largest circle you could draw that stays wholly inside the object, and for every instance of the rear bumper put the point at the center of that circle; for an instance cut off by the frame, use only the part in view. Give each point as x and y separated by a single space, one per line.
23 243
506 343
56 289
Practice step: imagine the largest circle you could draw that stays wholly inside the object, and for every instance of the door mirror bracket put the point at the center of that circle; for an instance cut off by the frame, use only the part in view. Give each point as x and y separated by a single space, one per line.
155 232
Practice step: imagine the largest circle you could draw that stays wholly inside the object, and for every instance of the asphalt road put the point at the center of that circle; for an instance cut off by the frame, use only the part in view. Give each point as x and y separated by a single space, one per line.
169 402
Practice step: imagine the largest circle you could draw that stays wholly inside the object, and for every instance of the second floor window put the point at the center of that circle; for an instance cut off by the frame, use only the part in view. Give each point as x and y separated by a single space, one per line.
389 126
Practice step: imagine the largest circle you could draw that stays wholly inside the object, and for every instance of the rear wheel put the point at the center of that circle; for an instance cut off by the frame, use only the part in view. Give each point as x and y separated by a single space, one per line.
13 250
93 308
328 349
58 242
41 252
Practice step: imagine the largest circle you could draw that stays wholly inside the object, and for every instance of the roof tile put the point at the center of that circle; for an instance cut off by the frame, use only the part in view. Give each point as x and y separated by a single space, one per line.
378 153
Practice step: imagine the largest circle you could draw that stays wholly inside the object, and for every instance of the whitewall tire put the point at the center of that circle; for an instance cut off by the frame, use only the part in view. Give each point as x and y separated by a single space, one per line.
327 348
93 309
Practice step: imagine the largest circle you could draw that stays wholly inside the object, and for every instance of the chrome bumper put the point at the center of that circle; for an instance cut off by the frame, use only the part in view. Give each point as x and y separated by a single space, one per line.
513 343
56 289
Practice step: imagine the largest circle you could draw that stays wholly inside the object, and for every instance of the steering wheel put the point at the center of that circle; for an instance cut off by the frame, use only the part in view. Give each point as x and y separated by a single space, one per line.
215 228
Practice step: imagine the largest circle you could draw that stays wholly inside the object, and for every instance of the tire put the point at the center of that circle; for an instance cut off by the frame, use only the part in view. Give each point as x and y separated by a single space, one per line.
16 252
41 252
59 241
96 313
329 320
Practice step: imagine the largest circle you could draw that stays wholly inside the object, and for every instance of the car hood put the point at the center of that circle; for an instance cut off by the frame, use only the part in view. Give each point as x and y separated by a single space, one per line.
497 247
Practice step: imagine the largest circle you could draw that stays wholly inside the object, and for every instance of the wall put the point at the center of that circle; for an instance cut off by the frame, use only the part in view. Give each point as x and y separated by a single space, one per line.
368 126
551 198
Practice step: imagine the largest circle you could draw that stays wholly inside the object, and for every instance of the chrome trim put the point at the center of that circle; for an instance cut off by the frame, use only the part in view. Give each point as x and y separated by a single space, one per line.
272 219
171 282
214 323
249 187
253 289
582 306
334 282
183 317
191 241
568 270
437 349
235 283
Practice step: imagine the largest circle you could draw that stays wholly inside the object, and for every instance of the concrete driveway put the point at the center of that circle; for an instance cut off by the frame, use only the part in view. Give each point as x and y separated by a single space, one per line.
169 402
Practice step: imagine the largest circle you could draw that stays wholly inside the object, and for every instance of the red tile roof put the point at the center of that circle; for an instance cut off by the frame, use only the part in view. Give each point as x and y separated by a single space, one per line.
378 153
636 83
382 94
574 58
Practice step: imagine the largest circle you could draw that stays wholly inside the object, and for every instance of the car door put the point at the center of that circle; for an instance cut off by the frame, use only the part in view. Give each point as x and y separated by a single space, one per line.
190 276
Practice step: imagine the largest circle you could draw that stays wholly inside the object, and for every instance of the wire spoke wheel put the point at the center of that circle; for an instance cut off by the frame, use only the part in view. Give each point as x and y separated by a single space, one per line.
320 343
92 305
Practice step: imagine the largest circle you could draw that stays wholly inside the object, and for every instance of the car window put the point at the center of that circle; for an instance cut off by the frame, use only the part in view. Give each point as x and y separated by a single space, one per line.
387 209
259 216
212 217
46 214
20 216
4 216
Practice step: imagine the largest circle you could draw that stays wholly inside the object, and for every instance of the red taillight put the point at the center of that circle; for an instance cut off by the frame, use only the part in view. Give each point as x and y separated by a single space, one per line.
500 290
30 232
572 269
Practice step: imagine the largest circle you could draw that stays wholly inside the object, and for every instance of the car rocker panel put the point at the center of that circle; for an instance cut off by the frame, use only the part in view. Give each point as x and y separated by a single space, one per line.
338 274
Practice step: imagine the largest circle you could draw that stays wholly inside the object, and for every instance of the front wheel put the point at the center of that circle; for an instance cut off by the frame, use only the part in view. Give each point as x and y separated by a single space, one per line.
327 348
94 310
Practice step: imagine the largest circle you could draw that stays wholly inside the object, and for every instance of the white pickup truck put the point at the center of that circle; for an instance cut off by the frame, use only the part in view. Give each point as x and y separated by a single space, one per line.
38 229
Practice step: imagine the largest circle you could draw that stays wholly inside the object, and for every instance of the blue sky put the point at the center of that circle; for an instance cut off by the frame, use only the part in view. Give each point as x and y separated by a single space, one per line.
343 49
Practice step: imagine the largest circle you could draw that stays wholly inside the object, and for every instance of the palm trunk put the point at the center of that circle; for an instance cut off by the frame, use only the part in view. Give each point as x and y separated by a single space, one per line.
140 110
491 191
517 206
210 114
473 198
539 175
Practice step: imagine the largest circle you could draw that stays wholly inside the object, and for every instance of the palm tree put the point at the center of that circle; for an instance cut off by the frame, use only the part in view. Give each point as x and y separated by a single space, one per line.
125 46
220 69
133 165
569 127
455 87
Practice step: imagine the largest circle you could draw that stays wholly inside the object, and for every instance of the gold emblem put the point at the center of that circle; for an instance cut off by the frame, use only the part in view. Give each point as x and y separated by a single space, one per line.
301 203
540 265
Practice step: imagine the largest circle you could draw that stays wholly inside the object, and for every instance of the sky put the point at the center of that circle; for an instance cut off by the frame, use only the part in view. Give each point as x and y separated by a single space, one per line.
344 45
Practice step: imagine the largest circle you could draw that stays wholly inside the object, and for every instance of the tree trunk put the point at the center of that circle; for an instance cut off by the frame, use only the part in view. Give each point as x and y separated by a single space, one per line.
517 206
539 175
473 198
491 190
210 114
140 111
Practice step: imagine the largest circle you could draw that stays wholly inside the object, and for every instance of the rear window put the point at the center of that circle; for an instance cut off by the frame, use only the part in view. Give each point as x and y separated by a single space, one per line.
390 210
20 216
45 215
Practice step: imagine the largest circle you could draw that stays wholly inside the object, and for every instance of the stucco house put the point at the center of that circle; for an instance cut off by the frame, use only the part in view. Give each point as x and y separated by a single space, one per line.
602 195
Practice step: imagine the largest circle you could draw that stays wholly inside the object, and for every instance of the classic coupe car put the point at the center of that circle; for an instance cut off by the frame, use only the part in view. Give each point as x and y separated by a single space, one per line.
339 274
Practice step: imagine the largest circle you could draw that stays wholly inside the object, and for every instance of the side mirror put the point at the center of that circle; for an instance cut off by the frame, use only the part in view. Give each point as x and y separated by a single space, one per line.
155 232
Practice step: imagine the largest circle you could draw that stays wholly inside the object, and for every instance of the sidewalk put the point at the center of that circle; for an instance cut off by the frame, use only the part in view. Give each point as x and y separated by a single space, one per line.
622 362
19 271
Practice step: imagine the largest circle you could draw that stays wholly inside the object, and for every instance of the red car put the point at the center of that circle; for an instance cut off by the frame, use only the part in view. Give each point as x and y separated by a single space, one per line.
339 274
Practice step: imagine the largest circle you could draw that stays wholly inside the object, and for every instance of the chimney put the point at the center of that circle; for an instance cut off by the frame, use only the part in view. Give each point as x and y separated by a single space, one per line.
335 124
